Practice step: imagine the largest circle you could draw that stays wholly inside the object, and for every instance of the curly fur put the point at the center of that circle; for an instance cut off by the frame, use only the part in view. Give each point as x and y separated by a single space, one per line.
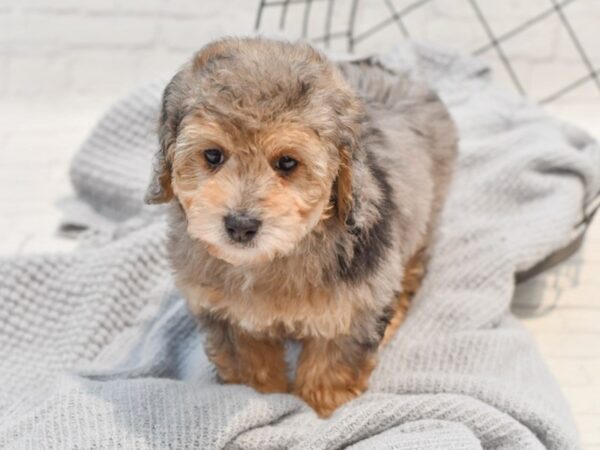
375 153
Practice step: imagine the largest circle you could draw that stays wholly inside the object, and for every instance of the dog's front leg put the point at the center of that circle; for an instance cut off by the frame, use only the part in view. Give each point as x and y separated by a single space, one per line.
245 358
332 372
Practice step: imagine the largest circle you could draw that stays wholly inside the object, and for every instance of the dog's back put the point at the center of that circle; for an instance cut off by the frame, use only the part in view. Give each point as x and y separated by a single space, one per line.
414 138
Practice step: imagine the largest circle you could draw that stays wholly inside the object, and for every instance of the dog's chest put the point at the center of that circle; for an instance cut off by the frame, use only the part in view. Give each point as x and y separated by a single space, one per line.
278 310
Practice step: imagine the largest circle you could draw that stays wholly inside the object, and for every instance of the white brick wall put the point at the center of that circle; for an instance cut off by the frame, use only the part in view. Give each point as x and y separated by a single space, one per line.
53 48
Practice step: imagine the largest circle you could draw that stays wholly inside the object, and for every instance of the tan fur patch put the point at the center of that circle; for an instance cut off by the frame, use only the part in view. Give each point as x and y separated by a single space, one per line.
344 186
413 276
258 362
288 204
310 313
327 378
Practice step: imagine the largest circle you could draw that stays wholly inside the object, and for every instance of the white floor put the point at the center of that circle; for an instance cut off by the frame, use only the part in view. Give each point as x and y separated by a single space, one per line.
566 326
37 142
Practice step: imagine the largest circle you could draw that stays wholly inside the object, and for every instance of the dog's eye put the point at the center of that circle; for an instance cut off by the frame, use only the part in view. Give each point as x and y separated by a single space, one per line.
214 156
286 164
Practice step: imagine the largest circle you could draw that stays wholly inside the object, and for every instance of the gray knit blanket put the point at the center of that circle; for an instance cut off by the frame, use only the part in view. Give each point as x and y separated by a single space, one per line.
97 349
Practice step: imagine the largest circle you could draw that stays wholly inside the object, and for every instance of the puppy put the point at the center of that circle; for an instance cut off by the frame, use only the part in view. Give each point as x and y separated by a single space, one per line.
302 196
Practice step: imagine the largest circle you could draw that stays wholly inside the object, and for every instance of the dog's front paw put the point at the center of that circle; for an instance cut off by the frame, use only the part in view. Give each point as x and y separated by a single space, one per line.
325 400
332 372
243 358
267 381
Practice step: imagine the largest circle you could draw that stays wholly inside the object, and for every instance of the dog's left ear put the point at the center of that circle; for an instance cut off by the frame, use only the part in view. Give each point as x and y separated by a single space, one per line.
159 189
350 153
344 197
349 117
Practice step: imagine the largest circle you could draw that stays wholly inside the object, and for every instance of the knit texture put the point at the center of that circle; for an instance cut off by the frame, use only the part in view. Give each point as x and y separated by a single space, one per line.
97 349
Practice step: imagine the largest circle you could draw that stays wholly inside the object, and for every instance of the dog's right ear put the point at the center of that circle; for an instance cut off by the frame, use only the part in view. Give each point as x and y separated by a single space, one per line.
177 98
172 112
159 189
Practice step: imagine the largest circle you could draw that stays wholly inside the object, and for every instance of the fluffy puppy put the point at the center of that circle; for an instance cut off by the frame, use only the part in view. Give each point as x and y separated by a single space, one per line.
302 194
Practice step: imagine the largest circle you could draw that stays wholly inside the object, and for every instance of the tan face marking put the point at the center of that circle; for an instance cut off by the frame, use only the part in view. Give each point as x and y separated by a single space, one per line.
288 204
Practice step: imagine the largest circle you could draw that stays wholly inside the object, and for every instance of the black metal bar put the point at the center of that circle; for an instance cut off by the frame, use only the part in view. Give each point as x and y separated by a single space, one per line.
528 23
397 18
578 46
306 17
284 11
568 88
261 6
335 34
497 46
384 23
283 2
351 25
380 26
328 22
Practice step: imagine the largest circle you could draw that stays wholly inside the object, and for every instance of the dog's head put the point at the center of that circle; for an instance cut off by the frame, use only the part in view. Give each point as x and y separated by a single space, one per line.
256 142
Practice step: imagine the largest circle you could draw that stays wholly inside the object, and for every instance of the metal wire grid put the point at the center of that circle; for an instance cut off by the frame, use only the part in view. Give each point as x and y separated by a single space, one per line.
495 41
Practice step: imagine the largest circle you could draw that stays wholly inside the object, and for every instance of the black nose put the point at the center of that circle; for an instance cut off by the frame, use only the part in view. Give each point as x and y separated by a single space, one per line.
241 228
